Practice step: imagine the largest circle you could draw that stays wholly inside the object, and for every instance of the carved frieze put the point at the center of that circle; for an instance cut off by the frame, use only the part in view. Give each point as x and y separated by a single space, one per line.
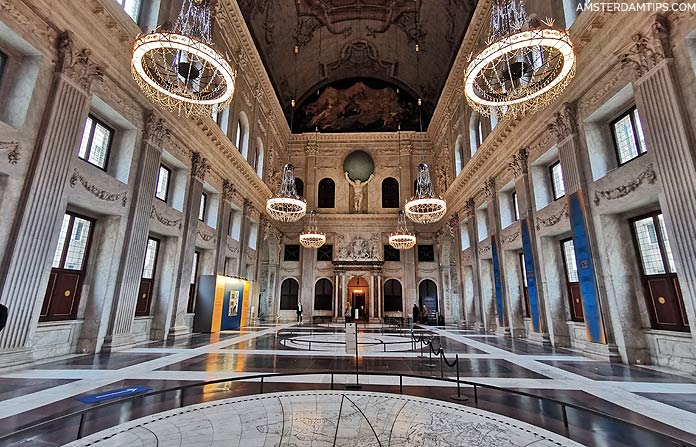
510 238
648 175
75 63
518 165
154 214
96 191
488 189
553 219
452 224
205 237
13 153
469 208
647 52
358 248
199 166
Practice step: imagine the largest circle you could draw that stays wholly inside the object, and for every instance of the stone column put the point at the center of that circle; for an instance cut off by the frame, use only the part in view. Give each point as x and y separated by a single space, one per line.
344 291
373 296
199 167
336 303
380 297
137 231
475 317
500 293
667 129
310 190
595 307
405 178
525 196
30 250
244 232
223 225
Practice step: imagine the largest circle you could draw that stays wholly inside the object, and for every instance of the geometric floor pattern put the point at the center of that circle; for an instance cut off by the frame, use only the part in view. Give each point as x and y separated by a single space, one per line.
656 398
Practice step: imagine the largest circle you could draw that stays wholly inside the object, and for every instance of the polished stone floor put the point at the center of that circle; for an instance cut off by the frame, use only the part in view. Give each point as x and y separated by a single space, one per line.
650 397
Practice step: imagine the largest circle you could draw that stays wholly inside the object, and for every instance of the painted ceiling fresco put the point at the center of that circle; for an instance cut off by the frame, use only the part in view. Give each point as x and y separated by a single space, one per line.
341 41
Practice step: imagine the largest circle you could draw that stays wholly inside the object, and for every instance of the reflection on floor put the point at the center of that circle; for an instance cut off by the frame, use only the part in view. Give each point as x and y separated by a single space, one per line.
657 399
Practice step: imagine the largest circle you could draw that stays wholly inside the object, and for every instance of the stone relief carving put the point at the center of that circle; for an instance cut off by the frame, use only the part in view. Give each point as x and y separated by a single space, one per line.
206 237
164 220
358 249
199 166
232 248
97 192
441 178
647 52
28 25
452 224
13 154
76 64
507 239
648 175
360 55
469 208
156 131
564 123
488 189
518 165
554 219
229 191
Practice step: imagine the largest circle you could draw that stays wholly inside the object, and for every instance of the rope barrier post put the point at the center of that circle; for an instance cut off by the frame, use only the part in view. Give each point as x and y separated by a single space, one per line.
442 373
356 385
476 394
81 427
401 384
181 398
261 387
459 396
332 381
565 419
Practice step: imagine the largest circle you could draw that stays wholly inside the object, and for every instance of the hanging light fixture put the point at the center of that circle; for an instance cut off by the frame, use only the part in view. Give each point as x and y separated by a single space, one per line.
402 239
425 207
311 237
286 205
523 67
180 70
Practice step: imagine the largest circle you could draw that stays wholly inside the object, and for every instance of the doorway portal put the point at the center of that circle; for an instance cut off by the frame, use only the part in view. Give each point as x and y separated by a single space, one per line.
358 297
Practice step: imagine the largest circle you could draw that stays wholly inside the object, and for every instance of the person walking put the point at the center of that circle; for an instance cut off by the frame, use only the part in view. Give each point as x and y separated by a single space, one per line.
424 314
299 312
349 314
416 314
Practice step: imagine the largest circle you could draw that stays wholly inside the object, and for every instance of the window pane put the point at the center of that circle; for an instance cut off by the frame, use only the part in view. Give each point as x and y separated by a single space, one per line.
100 145
571 265
639 130
162 183
668 248
84 144
515 206
649 248
61 241
132 8
194 267
238 143
150 259
625 139
77 245
557 179
201 209
524 270
3 63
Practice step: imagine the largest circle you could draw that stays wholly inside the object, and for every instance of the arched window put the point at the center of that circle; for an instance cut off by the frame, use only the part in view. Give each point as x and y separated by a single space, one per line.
427 294
326 194
393 301
288 294
323 295
390 193
458 155
299 186
475 132
258 161
242 140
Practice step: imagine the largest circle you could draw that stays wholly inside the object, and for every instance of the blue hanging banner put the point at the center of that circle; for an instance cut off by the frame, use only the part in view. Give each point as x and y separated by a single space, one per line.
531 275
113 394
586 276
498 284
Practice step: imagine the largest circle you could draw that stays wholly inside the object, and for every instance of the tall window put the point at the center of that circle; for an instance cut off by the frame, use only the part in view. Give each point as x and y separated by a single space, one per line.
288 294
202 207
525 292
393 301
299 186
132 8
458 155
665 301
325 253
390 193
391 254
475 133
326 194
573 283
557 186
515 206
69 261
3 64
323 295
629 139
142 306
191 307
426 253
96 141
258 163
163 177
235 228
242 140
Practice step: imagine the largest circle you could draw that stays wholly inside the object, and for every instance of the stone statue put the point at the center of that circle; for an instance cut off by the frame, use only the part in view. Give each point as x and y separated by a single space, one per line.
358 186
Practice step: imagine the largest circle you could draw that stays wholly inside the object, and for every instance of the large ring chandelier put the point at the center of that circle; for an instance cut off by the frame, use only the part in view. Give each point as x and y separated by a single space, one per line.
425 207
311 237
286 205
402 239
180 70
523 68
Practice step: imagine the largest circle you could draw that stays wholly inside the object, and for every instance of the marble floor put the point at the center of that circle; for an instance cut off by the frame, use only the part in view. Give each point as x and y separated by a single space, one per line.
650 397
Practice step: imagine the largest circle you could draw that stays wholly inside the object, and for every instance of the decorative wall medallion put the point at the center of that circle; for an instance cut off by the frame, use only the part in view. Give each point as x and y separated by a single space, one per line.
554 219
13 154
648 175
163 220
96 192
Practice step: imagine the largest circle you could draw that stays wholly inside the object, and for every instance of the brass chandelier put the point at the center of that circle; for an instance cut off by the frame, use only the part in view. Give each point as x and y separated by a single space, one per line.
425 206
311 237
287 205
180 70
402 239
523 68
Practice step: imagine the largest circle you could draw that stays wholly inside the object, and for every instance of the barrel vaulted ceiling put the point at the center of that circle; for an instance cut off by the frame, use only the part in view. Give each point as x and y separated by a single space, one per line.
357 68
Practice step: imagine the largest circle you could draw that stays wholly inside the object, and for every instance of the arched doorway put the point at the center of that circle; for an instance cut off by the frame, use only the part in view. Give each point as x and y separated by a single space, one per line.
358 297
427 296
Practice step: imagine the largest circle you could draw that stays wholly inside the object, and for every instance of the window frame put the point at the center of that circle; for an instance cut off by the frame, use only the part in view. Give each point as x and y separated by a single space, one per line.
203 207
396 193
631 113
568 282
169 182
654 215
515 205
554 193
193 284
323 198
285 252
323 251
66 246
122 4
90 140
392 250
418 252
154 265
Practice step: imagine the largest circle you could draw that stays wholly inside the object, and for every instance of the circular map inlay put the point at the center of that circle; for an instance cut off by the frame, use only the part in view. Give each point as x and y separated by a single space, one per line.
331 418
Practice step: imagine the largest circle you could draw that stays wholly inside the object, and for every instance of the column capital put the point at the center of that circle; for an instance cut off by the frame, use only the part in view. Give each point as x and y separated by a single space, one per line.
199 166
469 207
564 122
76 63
488 190
647 51
311 148
405 148
156 132
519 164
229 191
452 224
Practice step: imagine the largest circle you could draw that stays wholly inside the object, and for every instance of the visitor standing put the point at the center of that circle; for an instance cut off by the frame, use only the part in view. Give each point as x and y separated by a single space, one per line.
416 314
299 312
